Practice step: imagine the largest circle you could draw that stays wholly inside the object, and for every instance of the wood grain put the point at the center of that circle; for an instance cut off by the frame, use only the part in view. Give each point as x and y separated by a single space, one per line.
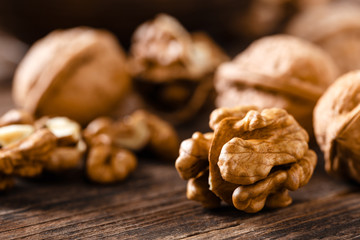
152 204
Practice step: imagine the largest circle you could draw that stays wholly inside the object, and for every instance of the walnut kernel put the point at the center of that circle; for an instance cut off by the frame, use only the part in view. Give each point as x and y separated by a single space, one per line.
254 158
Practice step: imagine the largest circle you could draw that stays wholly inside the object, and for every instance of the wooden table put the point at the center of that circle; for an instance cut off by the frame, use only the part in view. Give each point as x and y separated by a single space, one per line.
152 204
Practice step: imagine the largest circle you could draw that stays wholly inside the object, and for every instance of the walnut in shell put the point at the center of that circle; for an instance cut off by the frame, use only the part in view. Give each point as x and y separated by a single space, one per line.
336 126
336 28
79 73
277 71
173 69
254 158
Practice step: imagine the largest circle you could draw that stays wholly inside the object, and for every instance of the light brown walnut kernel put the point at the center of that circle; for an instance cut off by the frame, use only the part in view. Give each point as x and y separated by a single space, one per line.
277 71
136 132
337 124
70 147
108 164
253 159
193 158
79 73
198 190
26 157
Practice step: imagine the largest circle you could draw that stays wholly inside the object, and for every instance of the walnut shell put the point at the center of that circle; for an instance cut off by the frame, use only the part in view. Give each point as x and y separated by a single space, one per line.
277 71
79 73
334 27
337 124
173 69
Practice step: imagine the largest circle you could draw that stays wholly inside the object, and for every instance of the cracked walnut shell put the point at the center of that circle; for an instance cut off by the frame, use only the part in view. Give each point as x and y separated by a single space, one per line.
277 71
336 28
79 73
336 126
173 69
254 158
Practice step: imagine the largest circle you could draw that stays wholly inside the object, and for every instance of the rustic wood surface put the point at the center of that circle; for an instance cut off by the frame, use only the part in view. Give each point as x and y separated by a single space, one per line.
152 204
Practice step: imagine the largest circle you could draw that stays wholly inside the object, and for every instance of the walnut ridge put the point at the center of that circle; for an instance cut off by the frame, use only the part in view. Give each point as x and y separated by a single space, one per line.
253 158
336 126
277 71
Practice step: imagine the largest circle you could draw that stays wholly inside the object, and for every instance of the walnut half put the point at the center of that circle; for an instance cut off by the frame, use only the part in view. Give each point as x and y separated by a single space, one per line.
254 158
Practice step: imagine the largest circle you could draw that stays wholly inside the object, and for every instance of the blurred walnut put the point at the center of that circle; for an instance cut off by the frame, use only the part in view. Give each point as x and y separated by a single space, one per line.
264 17
69 148
334 27
79 73
107 163
277 71
254 158
336 126
24 150
173 68
137 131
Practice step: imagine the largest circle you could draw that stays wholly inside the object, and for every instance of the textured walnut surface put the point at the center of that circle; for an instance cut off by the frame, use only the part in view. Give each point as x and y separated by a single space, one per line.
251 160
277 71
336 125
79 73
336 28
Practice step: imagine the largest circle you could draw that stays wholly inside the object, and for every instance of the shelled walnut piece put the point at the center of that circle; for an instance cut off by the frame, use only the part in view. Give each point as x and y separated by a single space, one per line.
277 71
70 147
24 149
173 69
337 126
79 73
252 159
335 27
114 140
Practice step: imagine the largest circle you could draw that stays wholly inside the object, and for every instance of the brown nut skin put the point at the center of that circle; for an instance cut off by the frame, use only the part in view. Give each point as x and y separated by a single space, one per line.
336 126
108 164
27 157
173 69
163 141
193 155
198 190
335 27
255 157
138 131
79 73
277 71
70 147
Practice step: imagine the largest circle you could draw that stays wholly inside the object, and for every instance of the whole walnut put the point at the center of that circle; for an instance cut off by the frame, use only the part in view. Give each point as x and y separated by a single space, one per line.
251 160
277 71
336 28
79 73
173 69
337 126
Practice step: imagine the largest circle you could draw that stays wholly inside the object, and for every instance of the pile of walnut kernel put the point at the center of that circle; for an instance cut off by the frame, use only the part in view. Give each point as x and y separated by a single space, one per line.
56 144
